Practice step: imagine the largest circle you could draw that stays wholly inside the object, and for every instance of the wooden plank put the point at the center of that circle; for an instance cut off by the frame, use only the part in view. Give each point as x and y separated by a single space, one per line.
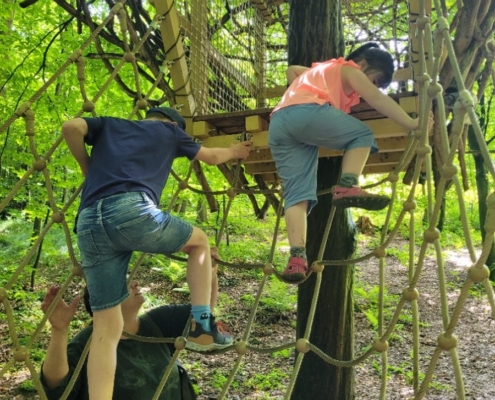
262 6
383 128
198 55
378 169
403 74
393 144
203 130
231 123
377 159
270 178
254 123
257 156
384 158
261 168
273 92
174 49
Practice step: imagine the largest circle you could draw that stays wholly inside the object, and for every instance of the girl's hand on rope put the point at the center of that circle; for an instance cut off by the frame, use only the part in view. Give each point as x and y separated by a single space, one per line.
241 150
63 313
414 124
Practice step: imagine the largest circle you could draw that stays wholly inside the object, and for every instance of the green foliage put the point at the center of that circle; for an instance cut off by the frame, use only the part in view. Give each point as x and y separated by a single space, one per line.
27 386
218 379
273 379
279 297
367 302
285 353
170 269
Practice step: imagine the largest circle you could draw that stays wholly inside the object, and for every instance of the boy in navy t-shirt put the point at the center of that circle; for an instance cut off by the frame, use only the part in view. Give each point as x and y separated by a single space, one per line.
125 174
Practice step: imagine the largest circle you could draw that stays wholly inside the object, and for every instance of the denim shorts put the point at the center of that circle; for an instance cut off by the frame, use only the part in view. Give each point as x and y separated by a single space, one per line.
109 230
295 135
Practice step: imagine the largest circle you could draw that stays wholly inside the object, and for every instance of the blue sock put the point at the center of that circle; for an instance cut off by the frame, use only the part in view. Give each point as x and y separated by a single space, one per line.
202 316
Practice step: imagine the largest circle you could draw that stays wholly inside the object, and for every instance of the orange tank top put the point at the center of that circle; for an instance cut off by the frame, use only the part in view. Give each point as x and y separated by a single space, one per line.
320 84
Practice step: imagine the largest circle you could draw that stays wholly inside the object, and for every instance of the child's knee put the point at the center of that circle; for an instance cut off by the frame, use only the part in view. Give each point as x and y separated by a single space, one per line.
200 238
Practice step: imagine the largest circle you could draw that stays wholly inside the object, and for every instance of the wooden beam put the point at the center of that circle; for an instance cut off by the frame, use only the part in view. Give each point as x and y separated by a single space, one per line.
198 56
254 123
271 178
382 128
403 74
261 168
203 130
377 159
378 169
384 158
273 92
262 6
174 49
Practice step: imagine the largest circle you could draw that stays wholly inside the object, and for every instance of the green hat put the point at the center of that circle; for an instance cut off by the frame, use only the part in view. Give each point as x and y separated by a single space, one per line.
170 113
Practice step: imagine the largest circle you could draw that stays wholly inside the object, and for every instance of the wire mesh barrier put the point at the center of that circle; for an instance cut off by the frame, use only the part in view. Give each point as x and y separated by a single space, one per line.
180 58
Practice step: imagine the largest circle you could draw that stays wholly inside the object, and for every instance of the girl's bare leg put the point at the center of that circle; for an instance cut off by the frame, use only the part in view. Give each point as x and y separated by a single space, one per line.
295 220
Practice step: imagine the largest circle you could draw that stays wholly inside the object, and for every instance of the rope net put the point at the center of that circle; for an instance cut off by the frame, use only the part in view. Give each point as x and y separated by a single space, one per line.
202 69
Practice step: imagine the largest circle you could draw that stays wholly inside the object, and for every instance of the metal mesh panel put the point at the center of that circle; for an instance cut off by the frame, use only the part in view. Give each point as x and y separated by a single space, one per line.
224 50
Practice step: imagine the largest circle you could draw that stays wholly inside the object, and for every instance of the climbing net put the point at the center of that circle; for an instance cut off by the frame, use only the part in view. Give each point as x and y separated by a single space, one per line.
188 93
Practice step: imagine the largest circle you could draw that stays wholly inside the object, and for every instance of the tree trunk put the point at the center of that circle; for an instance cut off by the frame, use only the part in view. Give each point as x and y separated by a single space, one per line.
315 34
482 187
333 326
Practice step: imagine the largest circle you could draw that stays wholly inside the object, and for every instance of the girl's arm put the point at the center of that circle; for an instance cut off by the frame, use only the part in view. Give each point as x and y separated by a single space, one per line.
356 80
294 71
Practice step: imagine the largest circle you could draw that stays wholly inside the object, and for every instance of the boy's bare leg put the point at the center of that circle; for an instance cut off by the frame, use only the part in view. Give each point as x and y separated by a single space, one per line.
198 273
354 160
295 220
102 361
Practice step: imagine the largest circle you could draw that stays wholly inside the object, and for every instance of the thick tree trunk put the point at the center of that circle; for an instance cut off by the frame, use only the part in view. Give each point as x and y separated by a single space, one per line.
315 34
482 187
333 324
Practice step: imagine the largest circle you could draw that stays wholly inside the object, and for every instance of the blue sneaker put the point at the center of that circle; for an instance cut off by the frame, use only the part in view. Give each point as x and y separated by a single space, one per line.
203 341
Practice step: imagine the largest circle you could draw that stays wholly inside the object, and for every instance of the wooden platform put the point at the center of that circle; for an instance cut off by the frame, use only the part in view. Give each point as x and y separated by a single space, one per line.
221 130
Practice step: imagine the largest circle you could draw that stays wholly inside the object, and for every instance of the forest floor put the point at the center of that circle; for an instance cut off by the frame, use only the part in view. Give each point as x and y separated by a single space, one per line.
266 376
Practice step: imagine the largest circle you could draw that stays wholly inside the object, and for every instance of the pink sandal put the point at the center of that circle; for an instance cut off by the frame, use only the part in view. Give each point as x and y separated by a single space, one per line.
296 269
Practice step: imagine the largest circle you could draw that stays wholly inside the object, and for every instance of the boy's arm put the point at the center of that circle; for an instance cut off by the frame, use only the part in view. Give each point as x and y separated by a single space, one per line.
361 84
74 132
219 155
294 71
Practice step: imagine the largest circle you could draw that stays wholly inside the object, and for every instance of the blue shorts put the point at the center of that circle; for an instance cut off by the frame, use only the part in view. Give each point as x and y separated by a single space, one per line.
296 133
109 230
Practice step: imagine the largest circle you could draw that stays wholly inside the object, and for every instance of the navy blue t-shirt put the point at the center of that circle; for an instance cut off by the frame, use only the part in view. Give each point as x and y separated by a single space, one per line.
132 156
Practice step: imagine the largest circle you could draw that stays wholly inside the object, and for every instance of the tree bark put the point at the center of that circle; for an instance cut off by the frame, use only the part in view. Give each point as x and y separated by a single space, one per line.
315 34
482 186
